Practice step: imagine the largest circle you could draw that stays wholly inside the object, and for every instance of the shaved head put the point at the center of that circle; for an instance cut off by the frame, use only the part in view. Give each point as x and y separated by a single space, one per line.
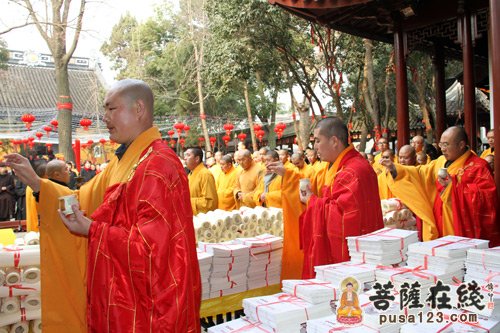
407 155
333 126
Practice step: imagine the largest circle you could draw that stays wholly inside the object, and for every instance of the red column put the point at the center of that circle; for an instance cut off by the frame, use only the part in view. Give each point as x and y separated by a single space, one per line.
439 77
77 155
402 114
495 88
469 82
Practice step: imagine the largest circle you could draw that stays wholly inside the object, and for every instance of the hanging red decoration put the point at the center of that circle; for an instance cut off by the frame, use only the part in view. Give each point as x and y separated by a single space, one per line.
172 143
39 135
179 127
200 141
226 139
182 142
242 136
49 146
102 141
279 128
28 119
25 140
213 139
47 130
256 128
54 123
171 133
228 128
85 123
186 129
90 142
260 134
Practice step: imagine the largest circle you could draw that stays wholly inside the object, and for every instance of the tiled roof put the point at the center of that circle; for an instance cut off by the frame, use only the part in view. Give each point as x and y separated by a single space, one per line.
28 89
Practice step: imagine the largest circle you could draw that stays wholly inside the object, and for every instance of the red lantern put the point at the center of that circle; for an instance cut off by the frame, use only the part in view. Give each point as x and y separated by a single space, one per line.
47 129
179 127
213 139
102 141
54 123
172 143
257 127
28 119
39 135
170 133
260 134
226 139
25 141
31 139
49 146
200 141
228 128
182 142
279 128
186 128
85 123
90 142
242 136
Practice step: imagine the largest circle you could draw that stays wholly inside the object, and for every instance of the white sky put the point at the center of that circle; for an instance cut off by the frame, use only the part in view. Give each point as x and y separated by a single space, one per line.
98 21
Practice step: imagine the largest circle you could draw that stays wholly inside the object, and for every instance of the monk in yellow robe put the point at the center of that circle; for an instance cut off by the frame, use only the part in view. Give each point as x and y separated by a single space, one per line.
66 307
226 183
268 192
383 145
247 180
216 169
293 256
491 141
31 204
305 170
285 159
383 189
418 143
201 182
458 200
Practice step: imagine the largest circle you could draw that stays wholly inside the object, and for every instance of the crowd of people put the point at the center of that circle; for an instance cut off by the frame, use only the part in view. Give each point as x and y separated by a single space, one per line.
127 255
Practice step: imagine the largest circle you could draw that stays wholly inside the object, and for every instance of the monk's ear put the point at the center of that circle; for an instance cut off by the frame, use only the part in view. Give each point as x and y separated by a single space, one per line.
141 108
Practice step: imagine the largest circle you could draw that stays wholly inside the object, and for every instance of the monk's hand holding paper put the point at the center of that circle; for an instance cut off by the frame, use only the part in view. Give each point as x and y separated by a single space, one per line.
443 177
389 165
77 222
22 167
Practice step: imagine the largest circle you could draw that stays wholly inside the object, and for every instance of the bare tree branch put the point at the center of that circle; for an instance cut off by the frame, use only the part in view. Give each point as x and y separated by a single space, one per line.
77 31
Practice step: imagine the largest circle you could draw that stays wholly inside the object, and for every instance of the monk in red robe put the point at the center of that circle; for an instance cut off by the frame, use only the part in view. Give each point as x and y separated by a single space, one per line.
142 268
457 191
348 203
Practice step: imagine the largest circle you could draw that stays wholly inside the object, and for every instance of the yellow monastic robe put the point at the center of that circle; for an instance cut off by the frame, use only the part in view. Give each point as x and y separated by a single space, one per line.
225 185
293 257
63 256
306 172
383 189
273 195
416 187
247 182
202 190
379 168
31 211
289 165
320 178
487 152
216 171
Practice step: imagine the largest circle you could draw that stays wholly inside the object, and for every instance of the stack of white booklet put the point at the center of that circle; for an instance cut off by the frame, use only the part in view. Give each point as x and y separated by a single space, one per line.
313 291
229 267
468 323
264 268
336 273
241 325
382 247
284 313
445 255
205 262
483 268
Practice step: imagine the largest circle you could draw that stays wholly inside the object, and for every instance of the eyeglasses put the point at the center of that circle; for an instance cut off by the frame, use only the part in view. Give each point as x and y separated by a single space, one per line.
382 143
443 145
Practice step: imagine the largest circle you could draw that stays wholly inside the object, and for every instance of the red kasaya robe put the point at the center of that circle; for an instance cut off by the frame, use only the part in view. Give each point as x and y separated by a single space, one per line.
473 200
143 273
349 206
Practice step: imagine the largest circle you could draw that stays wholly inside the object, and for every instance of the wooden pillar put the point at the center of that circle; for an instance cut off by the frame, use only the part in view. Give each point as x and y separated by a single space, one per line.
495 88
439 77
469 80
402 113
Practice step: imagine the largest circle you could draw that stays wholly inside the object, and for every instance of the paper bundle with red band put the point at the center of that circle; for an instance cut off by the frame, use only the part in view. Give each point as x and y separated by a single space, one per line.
482 264
205 263
313 291
241 325
264 268
336 273
382 247
282 312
